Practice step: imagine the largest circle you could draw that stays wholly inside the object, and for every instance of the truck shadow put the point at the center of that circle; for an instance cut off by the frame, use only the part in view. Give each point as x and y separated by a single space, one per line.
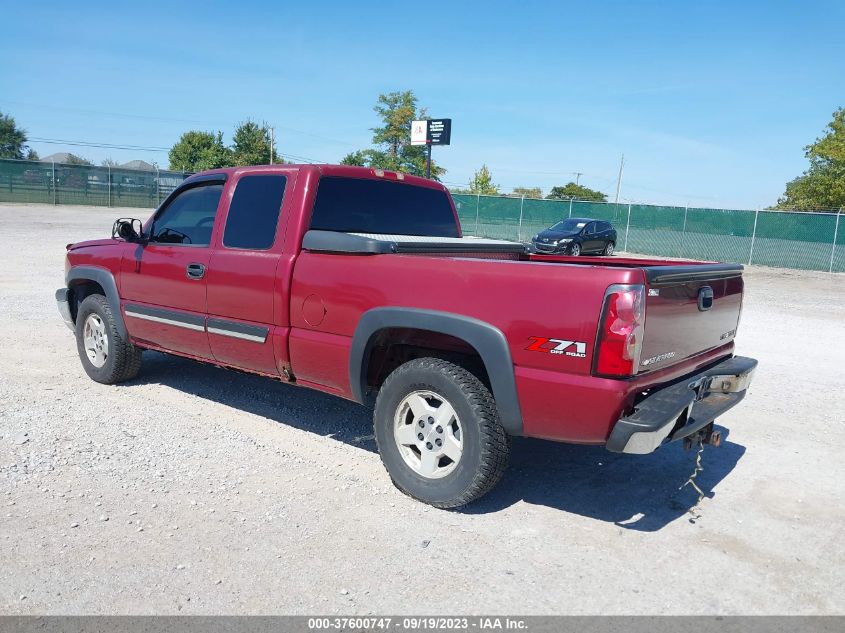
304 409
635 492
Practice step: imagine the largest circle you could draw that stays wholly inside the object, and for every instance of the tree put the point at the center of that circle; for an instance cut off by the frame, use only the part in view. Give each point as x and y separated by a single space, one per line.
197 151
73 159
528 192
357 158
12 138
822 186
31 154
571 191
108 162
482 183
392 139
251 144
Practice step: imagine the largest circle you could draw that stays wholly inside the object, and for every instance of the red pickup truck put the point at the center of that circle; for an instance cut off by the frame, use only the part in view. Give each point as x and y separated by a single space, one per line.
358 282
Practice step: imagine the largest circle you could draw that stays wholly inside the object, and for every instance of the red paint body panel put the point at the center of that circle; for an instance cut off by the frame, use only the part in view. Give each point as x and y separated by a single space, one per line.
311 303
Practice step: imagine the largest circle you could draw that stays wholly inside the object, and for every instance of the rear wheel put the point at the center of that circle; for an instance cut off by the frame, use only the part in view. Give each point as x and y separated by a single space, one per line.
608 249
438 433
105 355
576 250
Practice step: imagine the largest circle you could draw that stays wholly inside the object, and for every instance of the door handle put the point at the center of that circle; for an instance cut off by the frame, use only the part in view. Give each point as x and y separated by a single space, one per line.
195 271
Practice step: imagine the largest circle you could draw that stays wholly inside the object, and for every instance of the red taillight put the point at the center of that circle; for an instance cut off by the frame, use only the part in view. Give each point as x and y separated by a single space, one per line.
620 335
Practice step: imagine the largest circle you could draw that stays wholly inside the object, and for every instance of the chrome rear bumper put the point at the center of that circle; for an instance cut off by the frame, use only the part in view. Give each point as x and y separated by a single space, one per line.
683 408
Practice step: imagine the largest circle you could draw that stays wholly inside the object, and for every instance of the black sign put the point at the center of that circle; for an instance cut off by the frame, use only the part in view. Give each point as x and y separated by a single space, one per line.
439 131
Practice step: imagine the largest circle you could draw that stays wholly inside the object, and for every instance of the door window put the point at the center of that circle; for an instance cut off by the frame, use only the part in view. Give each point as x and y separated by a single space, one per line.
254 212
189 218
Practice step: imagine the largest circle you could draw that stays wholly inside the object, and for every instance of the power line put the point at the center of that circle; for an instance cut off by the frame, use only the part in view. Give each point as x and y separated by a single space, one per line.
146 117
57 141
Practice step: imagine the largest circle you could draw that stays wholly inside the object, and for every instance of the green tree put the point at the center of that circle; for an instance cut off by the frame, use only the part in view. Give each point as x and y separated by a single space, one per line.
108 162
31 154
12 138
73 159
197 151
392 140
251 144
571 191
482 183
528 192
822 186
357 158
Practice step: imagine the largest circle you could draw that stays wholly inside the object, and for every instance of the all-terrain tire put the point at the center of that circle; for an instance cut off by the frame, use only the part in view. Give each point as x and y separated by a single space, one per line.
122 358
485 444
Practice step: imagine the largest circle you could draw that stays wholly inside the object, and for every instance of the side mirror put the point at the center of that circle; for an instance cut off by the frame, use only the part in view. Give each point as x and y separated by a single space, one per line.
128 229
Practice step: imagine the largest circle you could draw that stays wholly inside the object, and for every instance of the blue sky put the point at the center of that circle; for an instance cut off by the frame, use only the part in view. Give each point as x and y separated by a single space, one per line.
711 102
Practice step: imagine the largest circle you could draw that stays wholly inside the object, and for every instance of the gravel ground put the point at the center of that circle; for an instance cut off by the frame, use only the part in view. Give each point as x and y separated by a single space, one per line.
197 490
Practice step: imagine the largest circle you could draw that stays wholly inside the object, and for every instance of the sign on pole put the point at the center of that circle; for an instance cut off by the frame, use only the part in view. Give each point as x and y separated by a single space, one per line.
431 132
419 132
440 131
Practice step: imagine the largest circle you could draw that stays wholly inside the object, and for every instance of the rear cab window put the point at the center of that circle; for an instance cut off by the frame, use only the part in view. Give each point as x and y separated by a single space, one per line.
254 212
360 205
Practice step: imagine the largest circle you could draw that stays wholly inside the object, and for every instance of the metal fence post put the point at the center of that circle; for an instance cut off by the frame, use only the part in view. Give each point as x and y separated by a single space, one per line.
519 227
835 235
158 187
683 233
109 166
477 209
570 207
627 226
55 184
753 236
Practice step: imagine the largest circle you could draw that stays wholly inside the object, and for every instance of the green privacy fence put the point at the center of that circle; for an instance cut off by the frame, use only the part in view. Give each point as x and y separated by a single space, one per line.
59 183
807 241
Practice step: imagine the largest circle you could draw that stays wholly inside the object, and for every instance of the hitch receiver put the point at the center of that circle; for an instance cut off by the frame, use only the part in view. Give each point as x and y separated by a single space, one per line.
706 436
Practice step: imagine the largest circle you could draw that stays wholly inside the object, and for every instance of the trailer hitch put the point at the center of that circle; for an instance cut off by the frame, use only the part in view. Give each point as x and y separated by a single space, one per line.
707 435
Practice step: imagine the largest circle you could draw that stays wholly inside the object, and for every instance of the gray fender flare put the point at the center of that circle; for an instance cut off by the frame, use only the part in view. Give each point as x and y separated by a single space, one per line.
107 282
487 340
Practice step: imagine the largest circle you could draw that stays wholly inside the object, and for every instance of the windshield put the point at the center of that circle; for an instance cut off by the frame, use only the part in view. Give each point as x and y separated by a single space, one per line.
569 226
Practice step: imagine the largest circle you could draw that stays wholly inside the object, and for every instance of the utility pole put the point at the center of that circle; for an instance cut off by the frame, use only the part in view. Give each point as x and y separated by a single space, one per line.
272 142
619 179
577 175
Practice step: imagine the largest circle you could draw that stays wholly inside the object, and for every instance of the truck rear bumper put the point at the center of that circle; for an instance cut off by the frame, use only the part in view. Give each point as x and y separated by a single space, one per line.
62 296
683 408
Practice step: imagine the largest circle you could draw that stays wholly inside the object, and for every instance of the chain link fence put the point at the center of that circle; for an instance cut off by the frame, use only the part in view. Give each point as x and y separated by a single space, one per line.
802 240
60 183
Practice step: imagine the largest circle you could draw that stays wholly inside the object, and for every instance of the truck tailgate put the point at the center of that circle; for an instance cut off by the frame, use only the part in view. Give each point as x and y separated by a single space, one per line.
689 310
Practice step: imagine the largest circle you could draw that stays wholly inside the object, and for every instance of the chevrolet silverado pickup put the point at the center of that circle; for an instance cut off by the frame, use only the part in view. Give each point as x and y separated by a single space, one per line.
358 282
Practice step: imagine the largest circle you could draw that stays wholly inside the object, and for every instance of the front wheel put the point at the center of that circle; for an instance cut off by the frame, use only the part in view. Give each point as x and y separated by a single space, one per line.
608 249
576 250
105 355
438 433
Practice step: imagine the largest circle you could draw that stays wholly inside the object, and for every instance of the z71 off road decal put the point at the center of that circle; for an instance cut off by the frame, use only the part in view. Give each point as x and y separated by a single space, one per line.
576 349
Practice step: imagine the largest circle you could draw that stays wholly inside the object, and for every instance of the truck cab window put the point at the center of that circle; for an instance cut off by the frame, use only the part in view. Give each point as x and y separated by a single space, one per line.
363 205
254 212
189 218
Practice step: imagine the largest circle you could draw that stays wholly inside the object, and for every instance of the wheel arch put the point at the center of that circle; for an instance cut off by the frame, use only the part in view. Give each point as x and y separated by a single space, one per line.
85 275
485 339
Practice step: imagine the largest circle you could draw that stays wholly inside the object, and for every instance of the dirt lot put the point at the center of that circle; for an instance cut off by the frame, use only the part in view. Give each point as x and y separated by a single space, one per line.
196 490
